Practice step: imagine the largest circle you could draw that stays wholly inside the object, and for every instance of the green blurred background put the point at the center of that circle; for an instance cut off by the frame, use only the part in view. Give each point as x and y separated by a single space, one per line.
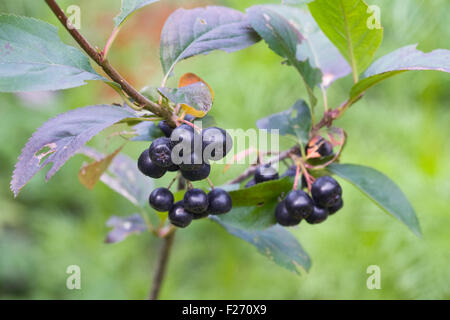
401 128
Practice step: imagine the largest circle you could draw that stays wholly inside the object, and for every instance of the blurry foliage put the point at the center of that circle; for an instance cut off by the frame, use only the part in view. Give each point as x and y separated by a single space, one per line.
401 129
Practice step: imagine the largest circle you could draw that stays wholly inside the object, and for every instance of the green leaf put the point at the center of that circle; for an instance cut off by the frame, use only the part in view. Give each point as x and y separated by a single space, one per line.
381 190
401 60
33 58
129 7
146 131
295 121
261 192
187 33
60 138
258 217
196 98
123 227
283 37
345 23
275 243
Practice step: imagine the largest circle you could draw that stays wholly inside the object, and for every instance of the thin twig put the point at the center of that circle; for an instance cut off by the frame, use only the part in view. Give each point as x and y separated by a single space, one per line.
162 265
97 56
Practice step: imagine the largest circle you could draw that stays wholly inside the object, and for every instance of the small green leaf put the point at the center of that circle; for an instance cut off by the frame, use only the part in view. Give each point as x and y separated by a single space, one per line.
129 7
257 217
283 37
401 60
345 23
146 131
276 243
295 121
33 58
380 189
196 97
262 192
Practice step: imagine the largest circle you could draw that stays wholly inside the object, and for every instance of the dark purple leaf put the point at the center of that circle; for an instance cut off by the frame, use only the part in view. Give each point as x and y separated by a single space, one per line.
123 227
199 31
60 138
401 60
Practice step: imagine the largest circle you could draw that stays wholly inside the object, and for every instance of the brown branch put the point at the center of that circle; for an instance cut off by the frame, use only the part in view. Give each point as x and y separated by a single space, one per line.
162 265
108 68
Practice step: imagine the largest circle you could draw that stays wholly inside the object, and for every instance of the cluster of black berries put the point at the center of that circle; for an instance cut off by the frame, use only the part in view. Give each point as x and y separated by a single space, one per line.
188 151
196 204
326 199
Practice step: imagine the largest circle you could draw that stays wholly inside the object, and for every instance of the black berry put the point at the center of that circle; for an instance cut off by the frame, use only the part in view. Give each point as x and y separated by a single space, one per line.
265 173
183 134
196 201
283 216
216 143
165 128
326 192
197 175
299 204
173 168
147 167
178 216
161 199
219 201
336 208
318 215
161 152
192 162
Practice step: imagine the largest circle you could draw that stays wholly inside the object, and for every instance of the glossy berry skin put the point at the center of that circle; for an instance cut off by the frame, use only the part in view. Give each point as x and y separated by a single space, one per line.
216 143
265 173
219 201
148 168
165 128
196 201
173 168
318 215
299 204
197 175
183 133
178 216
161 199
326 192
161 152
336 208
284 218
194 162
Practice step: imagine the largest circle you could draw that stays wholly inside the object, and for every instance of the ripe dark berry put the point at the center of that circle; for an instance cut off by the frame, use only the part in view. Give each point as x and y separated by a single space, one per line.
299 204
165 128
250 183
183 133
178 216
219 201
283 216
326 192
192 162
336 208
160 152
318 215
147 167
197 216
173 168
161 199
216 143
265 173
320 145
196 201
197 175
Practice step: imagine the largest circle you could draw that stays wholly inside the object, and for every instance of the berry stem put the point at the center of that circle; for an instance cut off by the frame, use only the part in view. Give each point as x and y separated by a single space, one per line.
211 184
173 180
297 176
98 57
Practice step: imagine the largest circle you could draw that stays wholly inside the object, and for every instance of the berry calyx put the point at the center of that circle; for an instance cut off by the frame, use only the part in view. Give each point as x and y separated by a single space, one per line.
178 216
299 204
148 167
326 192
336 208
197 175
219 201
216 143
165 128
160 152
161 199
196 201
318 215
266 173
284 217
